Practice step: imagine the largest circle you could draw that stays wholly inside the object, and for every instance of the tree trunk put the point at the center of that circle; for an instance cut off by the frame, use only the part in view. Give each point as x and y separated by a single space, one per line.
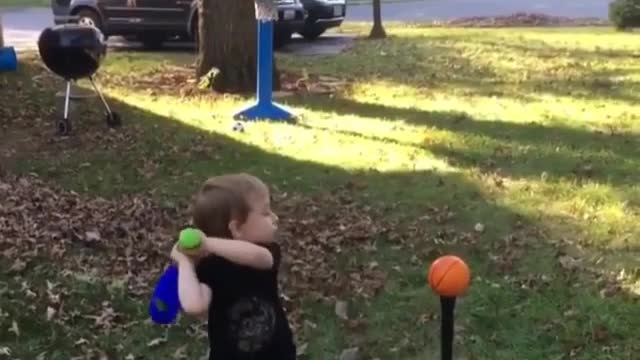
227 42
377 31
1 35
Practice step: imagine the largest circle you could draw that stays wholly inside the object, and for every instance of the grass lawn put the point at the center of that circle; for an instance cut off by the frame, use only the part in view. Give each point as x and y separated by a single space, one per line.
24 3
515 148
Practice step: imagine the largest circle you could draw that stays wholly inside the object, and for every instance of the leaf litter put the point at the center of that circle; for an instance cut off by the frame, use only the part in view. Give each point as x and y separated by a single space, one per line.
127 240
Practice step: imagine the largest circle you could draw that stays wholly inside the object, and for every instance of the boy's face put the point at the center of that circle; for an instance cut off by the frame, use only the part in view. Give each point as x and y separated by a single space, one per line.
261 223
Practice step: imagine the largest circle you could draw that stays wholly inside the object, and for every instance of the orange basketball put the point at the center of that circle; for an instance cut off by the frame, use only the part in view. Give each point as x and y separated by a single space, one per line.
449 276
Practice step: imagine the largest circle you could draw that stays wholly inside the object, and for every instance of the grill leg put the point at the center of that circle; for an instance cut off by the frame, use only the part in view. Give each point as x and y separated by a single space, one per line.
66 100
63 126
112 118
104 101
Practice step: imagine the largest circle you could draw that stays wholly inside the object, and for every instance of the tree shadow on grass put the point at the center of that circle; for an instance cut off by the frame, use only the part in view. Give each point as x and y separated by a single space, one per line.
153 153
445 62
579 79
421 62
520 150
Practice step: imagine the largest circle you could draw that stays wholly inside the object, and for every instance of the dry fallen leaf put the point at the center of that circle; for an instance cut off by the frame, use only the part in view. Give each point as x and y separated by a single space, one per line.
18 265
156 342
570 314
600 334
127 241
14 328
519 19
103 355
181 352
302 349
50 312
610 290
92 236
568 262
350 354
341 310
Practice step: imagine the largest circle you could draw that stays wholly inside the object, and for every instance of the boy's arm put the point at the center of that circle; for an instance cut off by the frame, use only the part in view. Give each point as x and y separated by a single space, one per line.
194 296
240 252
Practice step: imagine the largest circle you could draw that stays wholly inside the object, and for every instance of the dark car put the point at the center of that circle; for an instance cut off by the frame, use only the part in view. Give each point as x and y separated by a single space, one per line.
155 21
323 15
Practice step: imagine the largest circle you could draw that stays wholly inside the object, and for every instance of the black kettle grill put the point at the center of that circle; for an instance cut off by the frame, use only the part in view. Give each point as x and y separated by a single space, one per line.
72 52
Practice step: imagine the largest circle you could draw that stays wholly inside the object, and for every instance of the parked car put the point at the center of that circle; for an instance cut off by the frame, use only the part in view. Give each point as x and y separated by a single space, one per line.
155 21
323 15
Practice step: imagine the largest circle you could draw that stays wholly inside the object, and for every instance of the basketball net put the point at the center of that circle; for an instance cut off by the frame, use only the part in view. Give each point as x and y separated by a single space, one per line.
266 10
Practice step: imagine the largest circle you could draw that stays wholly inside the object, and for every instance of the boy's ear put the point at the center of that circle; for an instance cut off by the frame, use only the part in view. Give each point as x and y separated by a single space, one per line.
234 228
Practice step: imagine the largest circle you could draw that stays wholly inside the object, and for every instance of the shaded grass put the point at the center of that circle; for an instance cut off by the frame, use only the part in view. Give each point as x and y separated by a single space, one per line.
434 117
82 332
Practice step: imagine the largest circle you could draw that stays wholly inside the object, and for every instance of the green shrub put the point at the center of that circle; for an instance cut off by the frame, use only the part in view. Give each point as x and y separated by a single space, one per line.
625 14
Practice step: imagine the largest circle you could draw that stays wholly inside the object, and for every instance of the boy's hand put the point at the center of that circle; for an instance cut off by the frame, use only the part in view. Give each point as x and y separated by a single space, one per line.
179 257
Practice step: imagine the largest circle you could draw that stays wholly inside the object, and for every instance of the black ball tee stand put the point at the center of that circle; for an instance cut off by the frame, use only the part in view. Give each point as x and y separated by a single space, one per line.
447 305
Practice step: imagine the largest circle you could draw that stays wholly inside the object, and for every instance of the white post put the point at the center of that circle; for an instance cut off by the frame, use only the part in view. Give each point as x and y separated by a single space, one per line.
266 10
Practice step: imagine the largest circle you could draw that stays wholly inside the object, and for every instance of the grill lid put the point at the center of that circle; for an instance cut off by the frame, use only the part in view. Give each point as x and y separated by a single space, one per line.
72 51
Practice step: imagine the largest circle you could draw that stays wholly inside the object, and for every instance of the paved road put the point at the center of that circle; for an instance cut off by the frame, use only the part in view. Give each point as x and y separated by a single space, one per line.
22 27
428 10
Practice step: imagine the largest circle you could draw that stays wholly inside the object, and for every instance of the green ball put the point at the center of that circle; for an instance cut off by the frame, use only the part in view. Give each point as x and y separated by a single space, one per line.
189 239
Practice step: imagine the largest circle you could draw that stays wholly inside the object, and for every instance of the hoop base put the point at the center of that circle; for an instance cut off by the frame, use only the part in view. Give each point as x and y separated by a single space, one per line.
264 110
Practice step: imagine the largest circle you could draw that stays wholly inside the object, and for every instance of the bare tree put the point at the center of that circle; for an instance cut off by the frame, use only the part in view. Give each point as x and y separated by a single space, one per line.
227 42
377 31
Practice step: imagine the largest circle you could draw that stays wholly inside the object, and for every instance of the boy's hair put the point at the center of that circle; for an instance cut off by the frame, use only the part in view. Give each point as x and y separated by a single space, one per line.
222 199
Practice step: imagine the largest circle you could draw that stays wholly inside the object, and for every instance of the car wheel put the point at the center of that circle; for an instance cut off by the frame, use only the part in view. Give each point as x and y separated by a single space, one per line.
152 41
281 38
88 17
311 33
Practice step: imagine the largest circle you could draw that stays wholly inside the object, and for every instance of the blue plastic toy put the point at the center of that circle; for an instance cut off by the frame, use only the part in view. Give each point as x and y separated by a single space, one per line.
265 108
165 303
8 59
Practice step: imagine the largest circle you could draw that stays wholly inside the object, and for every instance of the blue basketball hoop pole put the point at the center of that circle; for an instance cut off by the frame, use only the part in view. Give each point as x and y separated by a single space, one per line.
265 108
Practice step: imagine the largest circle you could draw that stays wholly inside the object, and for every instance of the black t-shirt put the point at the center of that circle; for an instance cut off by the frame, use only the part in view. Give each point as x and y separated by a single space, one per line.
246 318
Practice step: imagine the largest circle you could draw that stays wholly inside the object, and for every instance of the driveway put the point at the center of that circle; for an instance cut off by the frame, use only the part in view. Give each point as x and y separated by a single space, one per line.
23 26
